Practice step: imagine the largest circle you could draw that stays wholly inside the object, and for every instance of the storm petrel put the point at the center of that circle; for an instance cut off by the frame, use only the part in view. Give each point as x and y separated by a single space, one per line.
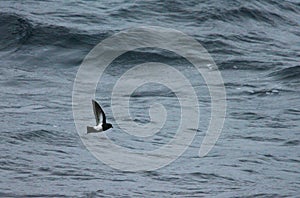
100 126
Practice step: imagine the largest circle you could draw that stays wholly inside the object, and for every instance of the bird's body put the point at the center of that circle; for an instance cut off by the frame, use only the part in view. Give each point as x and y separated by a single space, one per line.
95 129
100 126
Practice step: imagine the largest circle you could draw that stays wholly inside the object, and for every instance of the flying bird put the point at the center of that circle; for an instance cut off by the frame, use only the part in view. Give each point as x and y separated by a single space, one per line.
100 125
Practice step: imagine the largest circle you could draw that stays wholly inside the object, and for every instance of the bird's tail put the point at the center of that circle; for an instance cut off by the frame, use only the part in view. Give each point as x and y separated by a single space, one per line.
90 129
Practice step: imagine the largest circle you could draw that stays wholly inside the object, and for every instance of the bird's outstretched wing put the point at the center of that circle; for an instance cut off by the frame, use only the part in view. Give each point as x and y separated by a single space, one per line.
99 113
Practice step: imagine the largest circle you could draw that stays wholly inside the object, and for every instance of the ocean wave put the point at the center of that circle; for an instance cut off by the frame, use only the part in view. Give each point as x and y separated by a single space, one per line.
245 13
18 30
228 11
263 92
23 34
61 36
287 74
245 64
14 30
247 116
43 136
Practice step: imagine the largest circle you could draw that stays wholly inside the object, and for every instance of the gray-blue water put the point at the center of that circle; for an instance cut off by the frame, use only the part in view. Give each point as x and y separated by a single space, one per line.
256 45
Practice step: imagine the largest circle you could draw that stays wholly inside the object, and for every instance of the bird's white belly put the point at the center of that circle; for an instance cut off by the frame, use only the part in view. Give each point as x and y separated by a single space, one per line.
98 127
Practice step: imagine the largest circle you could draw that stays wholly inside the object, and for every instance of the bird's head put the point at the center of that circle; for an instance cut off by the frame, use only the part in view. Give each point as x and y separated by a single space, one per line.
109 126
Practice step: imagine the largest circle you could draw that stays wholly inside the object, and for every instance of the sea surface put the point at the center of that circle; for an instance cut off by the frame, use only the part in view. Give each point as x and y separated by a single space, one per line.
256 46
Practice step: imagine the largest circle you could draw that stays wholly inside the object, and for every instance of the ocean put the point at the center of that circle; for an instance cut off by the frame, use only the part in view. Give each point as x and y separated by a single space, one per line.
255 46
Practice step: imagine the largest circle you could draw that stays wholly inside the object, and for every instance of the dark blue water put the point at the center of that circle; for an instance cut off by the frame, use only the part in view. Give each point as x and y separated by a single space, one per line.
256 45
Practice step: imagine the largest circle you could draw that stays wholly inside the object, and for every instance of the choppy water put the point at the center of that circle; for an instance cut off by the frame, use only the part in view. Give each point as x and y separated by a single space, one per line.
256 46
